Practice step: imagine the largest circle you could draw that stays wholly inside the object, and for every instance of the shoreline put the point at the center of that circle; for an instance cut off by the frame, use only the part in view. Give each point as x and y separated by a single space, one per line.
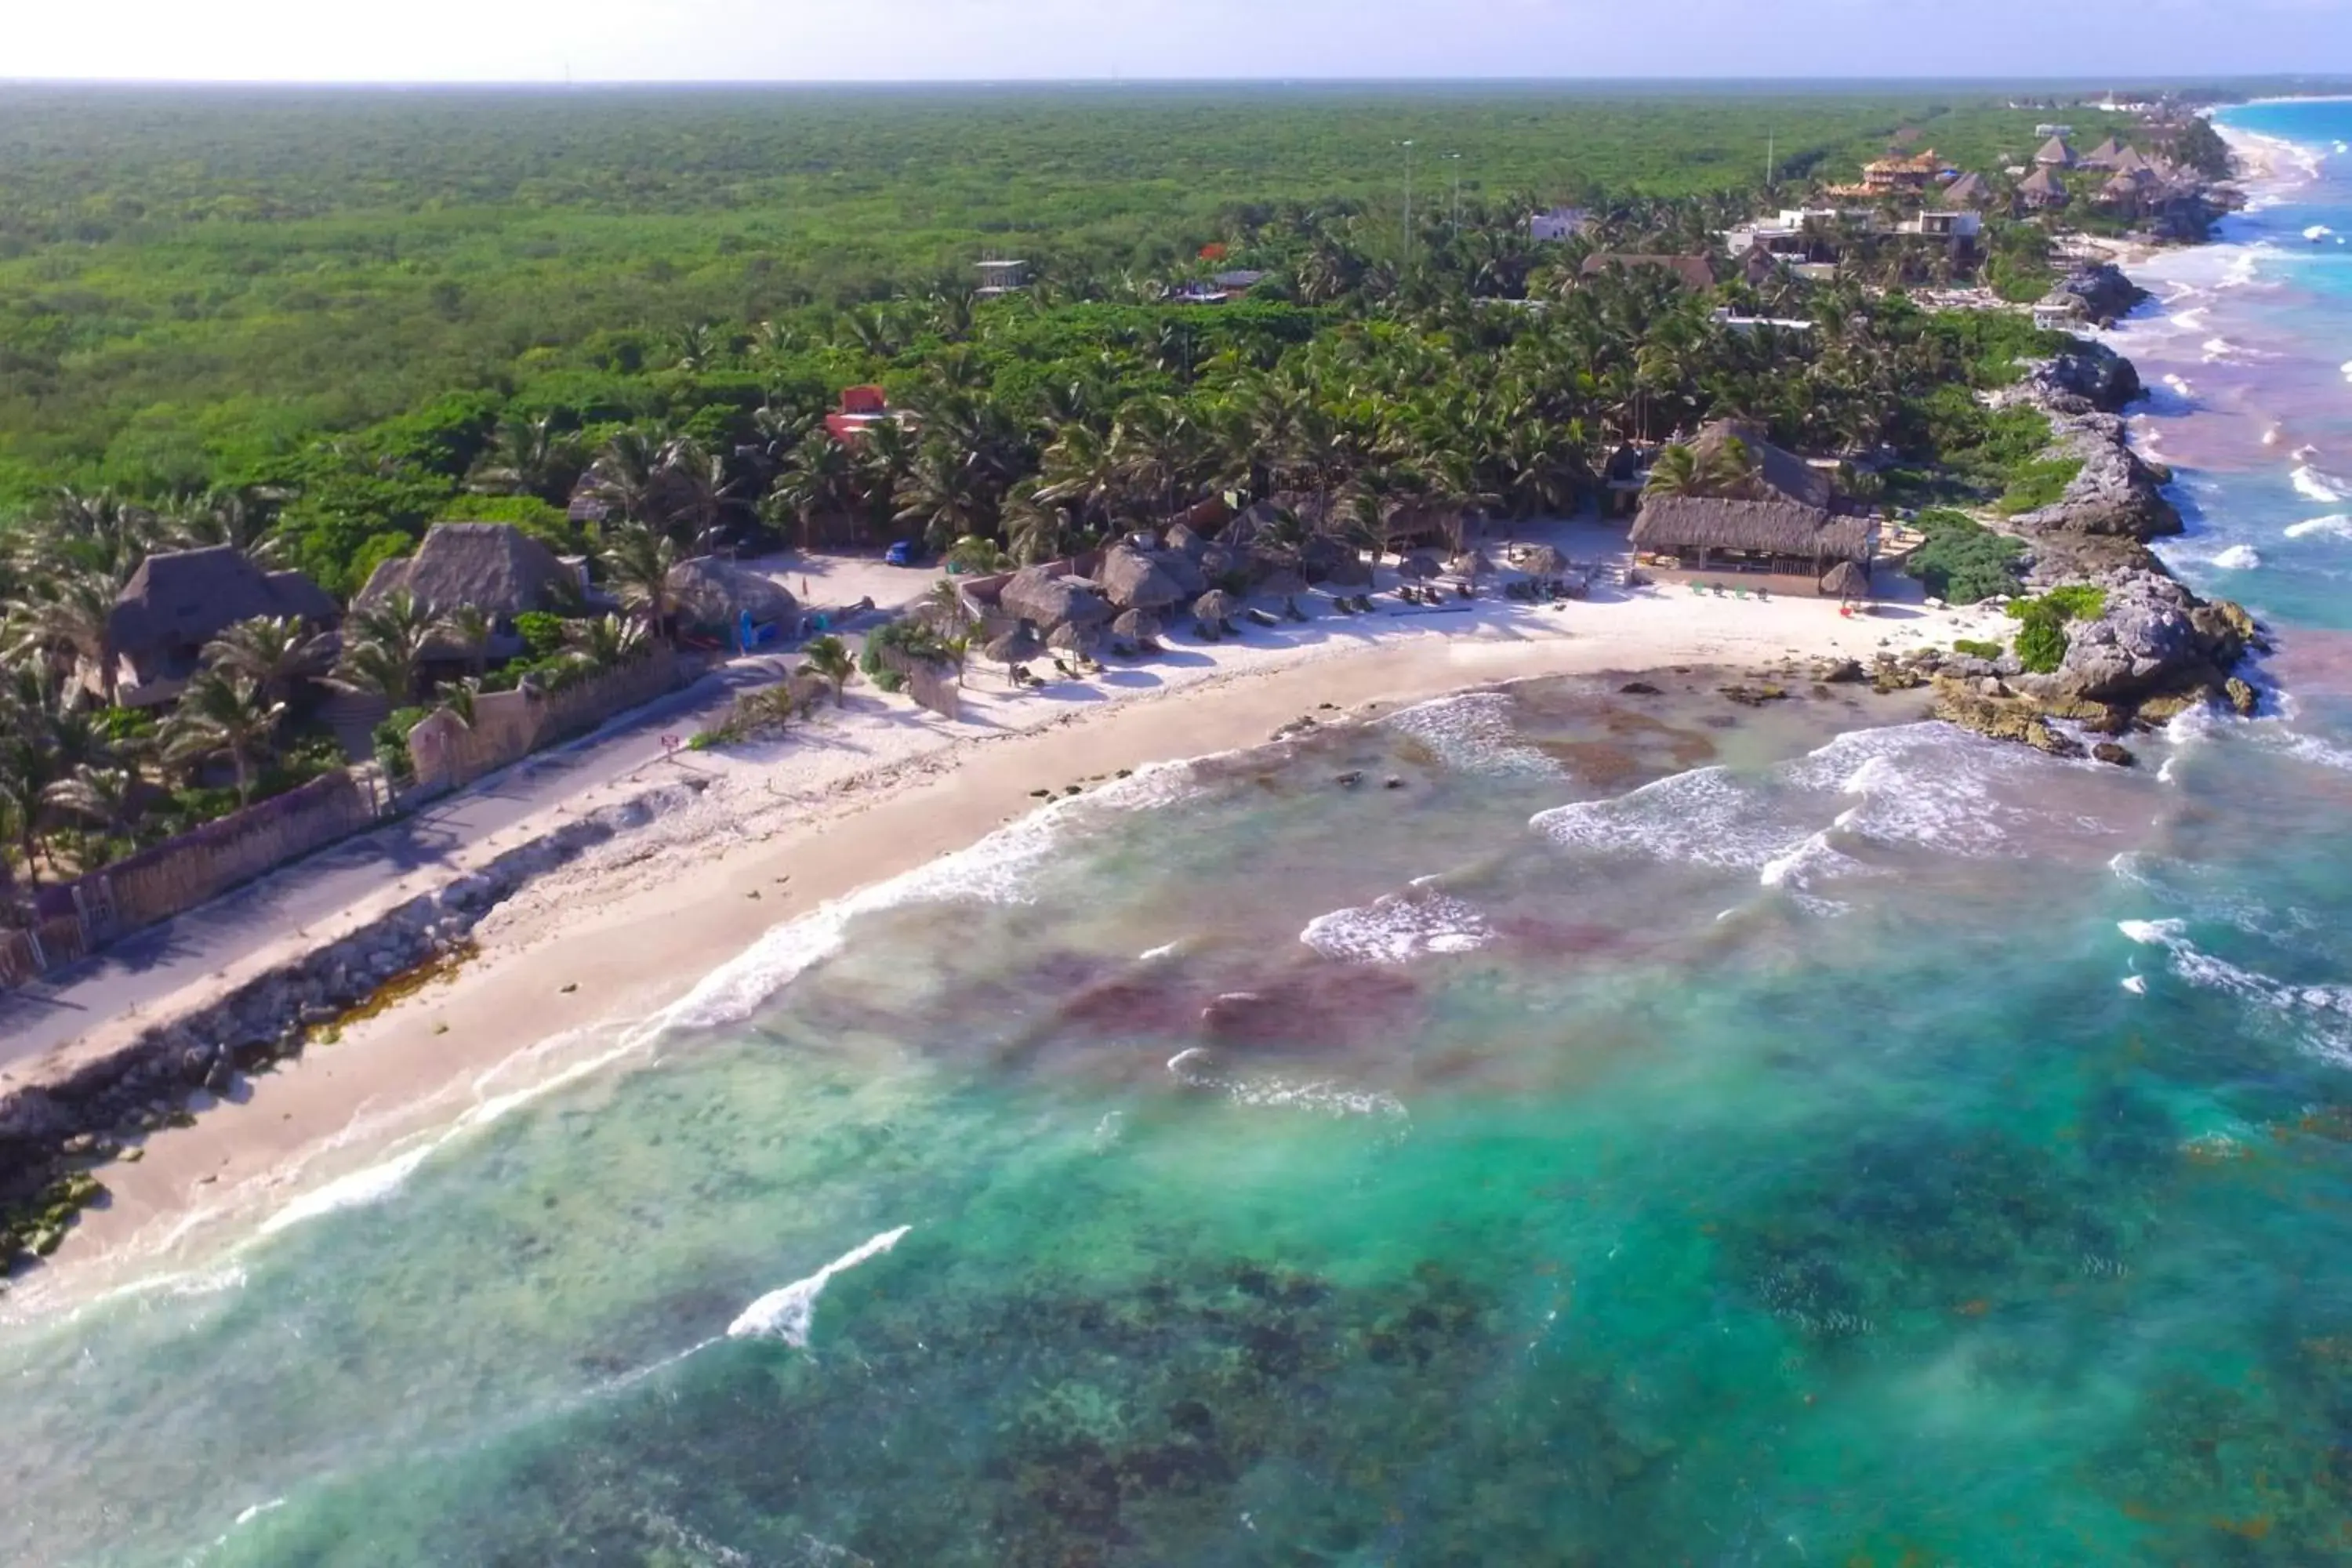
587 963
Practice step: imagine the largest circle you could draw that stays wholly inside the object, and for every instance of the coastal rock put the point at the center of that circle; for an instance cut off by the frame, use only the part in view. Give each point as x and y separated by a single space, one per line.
2114 755
2116 492
2000 719
1841 672
2242 697
2089 378
2107 295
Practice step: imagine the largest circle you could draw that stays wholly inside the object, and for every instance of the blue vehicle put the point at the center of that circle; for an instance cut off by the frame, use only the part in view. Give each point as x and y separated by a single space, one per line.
902 553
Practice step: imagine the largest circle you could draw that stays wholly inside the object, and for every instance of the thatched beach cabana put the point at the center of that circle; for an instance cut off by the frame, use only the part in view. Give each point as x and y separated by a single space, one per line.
493 567
1016 647
1212 612
1846 580
179 600
1705 534
1134 581
1137 631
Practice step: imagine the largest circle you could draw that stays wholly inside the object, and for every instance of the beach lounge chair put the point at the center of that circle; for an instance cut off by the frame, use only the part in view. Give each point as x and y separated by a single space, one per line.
1739 593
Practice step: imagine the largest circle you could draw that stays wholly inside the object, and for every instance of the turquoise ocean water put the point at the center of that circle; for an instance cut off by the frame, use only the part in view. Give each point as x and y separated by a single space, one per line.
1655 1131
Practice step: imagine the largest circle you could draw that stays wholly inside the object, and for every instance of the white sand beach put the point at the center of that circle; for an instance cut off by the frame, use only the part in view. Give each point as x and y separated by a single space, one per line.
860 794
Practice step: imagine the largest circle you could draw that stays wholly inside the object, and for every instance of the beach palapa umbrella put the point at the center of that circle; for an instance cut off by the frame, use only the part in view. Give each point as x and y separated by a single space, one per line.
1419 568
1015 646
1542 561
1282 584
1214 610
1137 628
1072 639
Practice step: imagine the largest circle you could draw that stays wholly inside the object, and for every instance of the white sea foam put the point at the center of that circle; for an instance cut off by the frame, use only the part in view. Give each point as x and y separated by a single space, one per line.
2135 983
1196 1069
360 1188
789 1314
2313 485
1921 786
2338 524
1154 954
1472 733
2318 231
1001 869
2322 1013
2239 558
257 1510
1398 928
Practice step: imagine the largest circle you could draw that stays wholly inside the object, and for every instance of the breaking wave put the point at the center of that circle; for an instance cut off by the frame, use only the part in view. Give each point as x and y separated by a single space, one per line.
2324 1013
1197 1069
2239 558
1472 733
1398 928
790 1313
2336 524
1001 869
2313 485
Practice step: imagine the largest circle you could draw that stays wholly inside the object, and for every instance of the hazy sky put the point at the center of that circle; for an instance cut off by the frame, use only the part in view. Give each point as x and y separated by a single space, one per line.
736 40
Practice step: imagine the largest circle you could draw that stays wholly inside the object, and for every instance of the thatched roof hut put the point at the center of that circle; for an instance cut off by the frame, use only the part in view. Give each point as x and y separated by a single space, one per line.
1086 641
495 567
1015 647
1969 191
1134 581
1778 534
1184 571
179 600
1282 585
1542 561
2056 154
1137 629
1035 594
1692 272
1846 580
2042 188
1214 608
712 592
1776 473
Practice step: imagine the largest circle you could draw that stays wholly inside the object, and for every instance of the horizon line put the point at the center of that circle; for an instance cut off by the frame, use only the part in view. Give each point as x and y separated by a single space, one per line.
2077 81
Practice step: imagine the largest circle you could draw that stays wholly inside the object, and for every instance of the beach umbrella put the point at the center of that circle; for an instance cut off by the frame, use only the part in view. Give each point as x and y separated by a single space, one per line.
1469 564
1134 581
1072 638
1015 646
1847 580
1542 561
1214 609
1351 571
1419 568
1282 584
1137 628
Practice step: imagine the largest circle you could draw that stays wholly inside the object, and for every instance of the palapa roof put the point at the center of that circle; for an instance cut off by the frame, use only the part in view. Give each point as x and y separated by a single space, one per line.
2042 182
1182 541
1216 605
1846 580
1134 581
1282 584
2105 154
1776 470
713 592
1542 561
1694 271
1183 571
2129 161
1035 594
1014 645
1765 527
180 598
1967 191
496 567
1136 626
2056 151
1072 638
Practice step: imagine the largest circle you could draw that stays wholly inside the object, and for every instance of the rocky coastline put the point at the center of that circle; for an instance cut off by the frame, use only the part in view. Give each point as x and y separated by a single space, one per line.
56 1136
2154 649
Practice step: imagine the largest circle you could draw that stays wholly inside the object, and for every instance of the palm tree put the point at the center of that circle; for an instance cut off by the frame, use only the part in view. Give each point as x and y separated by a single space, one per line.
820 479
272 651
30 704
1035 529
244 517
639 562
626 473
1677 472
606 643
105 797
533 458
940 496
224 715
384 646
829 657
67 619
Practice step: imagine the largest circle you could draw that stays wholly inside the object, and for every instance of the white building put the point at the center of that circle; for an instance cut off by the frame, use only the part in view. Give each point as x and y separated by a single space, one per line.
1559 223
